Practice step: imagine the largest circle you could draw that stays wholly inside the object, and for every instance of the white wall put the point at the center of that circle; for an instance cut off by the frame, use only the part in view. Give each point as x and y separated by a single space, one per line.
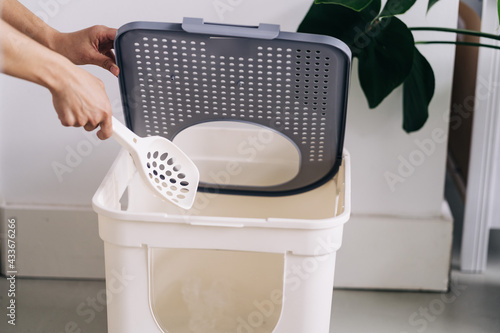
381 149
31 137
400 237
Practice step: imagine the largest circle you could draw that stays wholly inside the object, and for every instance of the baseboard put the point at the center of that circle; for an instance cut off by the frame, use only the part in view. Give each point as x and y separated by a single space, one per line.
53 242
377 252
396 253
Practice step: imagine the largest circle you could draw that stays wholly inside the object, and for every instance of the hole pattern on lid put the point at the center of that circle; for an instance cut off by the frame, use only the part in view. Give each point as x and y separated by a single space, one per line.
167 176
286 88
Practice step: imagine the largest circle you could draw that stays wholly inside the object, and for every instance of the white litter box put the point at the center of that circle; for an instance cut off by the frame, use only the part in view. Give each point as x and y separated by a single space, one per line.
232 263
262 114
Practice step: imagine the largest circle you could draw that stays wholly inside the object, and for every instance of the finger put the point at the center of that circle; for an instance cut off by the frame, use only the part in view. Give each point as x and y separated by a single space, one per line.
106 63
89 127
109 33
106 37
106 129
67 119
115 69
111 55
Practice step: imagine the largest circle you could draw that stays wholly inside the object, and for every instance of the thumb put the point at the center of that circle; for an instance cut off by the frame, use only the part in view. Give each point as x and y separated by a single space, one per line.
107 63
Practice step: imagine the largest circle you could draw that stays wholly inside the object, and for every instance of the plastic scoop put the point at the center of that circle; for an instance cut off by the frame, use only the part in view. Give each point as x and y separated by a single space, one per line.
163 166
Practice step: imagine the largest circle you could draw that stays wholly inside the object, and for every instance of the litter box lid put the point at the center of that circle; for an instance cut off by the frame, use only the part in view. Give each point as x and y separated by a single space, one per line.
177 76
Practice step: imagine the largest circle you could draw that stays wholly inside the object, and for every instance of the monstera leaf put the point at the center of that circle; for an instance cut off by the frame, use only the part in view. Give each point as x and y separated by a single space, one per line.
386 61
384 46
418 90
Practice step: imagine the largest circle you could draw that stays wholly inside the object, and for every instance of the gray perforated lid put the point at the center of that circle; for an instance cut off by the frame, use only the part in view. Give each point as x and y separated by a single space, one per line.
173 76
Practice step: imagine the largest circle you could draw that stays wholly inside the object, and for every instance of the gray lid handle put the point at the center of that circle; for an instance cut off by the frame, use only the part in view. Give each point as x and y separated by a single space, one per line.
263 31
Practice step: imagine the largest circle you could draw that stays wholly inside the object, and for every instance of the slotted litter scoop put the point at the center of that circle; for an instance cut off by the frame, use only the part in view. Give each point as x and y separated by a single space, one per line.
163 166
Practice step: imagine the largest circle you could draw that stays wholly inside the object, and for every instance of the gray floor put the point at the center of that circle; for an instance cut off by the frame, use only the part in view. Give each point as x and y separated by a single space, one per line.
471 305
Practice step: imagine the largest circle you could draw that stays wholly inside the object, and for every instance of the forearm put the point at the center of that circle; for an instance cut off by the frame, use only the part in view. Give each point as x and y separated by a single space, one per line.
88 46
22 19
26 59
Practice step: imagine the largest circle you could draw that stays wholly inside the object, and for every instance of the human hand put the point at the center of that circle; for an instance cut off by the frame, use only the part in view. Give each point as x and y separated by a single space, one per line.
88 46
80 99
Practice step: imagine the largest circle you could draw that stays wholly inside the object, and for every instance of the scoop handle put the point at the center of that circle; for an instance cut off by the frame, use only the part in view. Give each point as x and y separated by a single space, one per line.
124 136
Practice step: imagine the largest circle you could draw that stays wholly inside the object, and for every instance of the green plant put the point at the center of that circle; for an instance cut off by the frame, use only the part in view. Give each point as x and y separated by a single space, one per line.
385 49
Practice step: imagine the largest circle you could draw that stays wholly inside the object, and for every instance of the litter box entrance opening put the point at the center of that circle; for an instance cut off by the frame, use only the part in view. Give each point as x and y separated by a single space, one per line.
216 291
240 153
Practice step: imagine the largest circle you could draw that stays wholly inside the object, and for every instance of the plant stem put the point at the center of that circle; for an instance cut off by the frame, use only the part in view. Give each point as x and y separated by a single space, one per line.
458 43
457 31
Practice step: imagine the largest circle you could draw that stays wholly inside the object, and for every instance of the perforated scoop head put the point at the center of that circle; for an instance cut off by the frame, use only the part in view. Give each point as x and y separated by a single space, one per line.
170 172
164 167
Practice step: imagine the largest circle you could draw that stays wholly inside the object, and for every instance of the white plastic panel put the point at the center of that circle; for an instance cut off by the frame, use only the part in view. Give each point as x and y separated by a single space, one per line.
212 291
